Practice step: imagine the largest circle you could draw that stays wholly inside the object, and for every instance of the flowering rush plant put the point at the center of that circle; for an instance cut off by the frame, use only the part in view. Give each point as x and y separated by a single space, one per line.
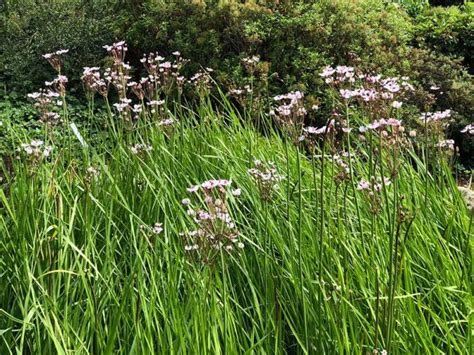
215 230
469 129
55 58
47 100
372 189
266 177
35 151
379 96
289 113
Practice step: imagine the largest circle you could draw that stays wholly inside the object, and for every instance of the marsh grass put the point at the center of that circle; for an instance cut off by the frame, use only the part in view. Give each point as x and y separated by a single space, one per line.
320 272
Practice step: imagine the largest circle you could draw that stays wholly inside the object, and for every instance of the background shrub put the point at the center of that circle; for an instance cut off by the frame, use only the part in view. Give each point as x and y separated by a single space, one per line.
449 31
294 41
29 30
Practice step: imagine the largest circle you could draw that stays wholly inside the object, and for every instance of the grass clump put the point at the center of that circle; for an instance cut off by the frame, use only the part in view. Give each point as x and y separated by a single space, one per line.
188 227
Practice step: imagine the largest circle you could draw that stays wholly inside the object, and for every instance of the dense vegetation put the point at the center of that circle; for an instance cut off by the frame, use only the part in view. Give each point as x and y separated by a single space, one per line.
294 40
236 178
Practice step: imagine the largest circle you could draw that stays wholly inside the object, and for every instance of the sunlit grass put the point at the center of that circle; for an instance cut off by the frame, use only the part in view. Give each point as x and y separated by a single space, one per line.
79 273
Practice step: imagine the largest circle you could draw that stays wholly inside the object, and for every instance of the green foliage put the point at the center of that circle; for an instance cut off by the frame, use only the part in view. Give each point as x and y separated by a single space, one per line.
30 30
414 7
294 40
449 31
296 43
83 272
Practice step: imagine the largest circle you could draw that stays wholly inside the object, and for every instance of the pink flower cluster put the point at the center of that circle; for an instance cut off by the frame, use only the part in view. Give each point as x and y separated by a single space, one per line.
55 58
469 129
382 125
374 185
337 75
117 51
434 117
266 177
36 151
216 229
373 90
58 84
93 82
45 101
324 130
202 81
290 113
162 75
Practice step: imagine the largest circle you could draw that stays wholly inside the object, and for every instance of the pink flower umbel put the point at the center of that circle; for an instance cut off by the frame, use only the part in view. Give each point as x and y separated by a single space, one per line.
290 113
469 129
55 58
215 230
372 189
266 177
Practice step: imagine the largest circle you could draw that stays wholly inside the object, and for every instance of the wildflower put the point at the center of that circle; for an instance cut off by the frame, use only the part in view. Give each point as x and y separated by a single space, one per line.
392 86
44 100
343 170
397 104
469 129
167 122
117 50
36 151
92 173
290 113
139 148
363 185
372 189
157 228
186 201
250 63
55 58
202 82
326 133
347 94
374 184
236 192
327 72
93 82
367 94
193 188
447 144
267 178
121 107
212 184
216 229
437 116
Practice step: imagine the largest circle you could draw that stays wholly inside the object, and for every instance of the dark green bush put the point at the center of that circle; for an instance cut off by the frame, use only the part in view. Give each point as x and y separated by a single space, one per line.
446 2
29 30
297 43
449 31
